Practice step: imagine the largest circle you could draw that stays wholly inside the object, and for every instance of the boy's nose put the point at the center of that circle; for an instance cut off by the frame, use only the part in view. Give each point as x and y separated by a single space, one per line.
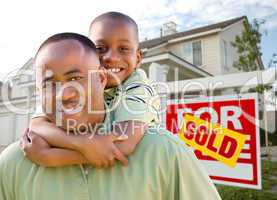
111 56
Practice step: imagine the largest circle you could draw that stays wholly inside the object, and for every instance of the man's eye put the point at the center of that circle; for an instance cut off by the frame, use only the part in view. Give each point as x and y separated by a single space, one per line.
124 49
76 78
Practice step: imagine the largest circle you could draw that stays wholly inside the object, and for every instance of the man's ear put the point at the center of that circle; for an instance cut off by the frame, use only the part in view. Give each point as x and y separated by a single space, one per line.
139 57
39 75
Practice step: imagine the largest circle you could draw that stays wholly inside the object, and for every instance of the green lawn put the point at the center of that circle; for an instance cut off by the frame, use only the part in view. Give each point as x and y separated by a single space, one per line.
269 169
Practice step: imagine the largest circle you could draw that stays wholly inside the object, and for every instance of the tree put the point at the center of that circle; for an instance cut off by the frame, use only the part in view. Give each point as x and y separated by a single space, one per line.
248 46
273 61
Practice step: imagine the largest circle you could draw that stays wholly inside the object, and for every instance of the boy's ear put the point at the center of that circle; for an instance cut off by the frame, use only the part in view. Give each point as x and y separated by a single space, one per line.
139 57
103 77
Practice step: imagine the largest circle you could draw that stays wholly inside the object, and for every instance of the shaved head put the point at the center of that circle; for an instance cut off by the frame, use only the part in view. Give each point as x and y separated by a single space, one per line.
116 17
84 41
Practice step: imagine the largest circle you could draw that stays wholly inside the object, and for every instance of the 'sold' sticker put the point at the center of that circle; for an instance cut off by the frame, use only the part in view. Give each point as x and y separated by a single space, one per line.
213 140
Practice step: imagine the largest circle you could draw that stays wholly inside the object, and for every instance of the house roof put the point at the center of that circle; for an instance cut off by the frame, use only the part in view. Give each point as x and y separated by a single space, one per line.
168 55
157 41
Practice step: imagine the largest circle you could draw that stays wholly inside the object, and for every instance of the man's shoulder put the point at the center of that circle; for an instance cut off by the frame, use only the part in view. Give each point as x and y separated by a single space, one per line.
163 140
162 148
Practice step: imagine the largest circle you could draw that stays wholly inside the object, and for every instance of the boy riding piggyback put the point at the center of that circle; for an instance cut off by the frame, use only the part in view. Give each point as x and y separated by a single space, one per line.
128 95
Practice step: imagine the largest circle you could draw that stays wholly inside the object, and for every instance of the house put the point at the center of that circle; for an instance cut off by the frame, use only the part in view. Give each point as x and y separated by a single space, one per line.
204 52
17 102
200 52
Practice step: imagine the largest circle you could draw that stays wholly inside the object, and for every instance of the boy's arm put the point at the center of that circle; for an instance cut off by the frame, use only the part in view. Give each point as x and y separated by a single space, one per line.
40 152
55 157
58 157
99 150
52 134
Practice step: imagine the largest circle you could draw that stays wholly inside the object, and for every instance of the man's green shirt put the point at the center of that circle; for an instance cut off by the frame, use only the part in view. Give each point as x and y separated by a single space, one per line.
161 168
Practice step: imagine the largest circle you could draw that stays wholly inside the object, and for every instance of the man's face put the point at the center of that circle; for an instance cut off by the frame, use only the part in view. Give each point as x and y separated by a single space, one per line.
117 45
63 79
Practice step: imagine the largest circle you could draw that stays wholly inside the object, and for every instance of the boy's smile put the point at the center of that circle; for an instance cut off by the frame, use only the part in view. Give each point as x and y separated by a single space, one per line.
117 45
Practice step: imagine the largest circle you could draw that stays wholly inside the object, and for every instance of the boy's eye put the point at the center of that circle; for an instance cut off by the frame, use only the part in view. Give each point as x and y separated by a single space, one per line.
101 49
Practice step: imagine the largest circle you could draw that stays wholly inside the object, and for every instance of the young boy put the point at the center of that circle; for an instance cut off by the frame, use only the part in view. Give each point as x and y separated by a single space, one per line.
128 93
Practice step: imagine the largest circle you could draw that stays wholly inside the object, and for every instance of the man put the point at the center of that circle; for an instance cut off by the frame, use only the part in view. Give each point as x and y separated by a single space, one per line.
161 168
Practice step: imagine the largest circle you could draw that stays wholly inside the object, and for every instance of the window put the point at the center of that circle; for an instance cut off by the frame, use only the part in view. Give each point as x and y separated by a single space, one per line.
188 52
197 53
193 52
225 61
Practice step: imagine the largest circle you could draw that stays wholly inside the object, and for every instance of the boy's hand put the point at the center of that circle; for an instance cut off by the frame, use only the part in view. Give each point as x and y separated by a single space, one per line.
34 147
101 151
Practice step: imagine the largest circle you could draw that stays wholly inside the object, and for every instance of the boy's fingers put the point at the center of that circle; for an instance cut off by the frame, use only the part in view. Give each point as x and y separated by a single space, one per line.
105 165
121 137
119 156
103 69
111 161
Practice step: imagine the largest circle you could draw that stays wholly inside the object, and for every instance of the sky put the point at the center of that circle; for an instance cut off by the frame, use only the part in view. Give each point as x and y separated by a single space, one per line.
26 24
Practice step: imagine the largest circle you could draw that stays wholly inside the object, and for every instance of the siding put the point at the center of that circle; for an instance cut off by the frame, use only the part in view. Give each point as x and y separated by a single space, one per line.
229 36
12 124
210 52
156 51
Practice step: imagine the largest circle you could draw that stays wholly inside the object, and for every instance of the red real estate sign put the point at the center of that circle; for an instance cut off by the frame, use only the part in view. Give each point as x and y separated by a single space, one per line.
235 113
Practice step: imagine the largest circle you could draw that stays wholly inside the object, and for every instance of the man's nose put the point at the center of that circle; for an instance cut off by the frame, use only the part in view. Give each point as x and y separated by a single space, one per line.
67 94
111 56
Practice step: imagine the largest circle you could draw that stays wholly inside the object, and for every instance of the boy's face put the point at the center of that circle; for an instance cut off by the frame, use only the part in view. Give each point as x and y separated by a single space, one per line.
117 45
67 63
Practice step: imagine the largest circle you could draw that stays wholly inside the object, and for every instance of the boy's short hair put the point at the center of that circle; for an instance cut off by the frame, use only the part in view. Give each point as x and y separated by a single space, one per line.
83 40
116 16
